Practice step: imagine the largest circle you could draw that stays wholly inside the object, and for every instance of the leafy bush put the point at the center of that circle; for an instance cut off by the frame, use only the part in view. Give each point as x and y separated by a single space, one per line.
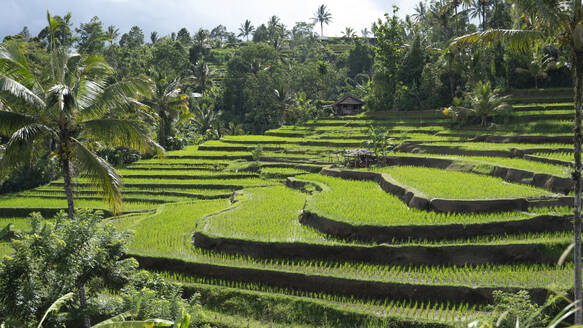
119 157
30 176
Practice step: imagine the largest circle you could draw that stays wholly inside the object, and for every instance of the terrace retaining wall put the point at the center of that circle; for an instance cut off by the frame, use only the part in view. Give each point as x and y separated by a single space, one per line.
541 180
415 199
332 285
383 254
413 147
390 234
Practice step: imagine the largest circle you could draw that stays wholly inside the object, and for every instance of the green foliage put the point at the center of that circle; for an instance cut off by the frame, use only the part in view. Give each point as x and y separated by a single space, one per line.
360 59
378 141
257 153
91 37
389 49
56 258
511 310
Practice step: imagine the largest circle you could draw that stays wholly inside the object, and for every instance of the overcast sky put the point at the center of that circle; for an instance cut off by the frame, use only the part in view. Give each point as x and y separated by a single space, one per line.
166 16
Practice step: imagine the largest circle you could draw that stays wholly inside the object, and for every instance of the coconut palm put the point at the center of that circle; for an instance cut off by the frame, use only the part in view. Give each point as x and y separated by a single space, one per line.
420 12
111 34
203 74
154 37
205 120
69 115
486 102
322 16
479 8
539 66
168 103
246 29
565 20
455 4
349 33
365 33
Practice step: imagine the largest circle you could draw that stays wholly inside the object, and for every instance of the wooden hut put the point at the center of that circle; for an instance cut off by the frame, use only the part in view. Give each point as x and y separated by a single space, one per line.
348 105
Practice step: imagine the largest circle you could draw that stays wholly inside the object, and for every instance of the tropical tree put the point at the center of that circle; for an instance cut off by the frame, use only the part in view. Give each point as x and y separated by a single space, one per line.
203 74
420 12
55 258
322 16
479 8
154 37
349 33
246 29
168 103
111 33
455 4
365 33
79 107
485 102
539 66
565 19
205 120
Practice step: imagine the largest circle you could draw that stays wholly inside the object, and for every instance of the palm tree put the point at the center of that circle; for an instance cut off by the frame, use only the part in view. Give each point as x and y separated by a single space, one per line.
111 34
205 120
420 12
203 74
565 19
365 33
455 4
486 102
168 103
246 29
322 16
154 37
349 33
539 66
78 107
479 8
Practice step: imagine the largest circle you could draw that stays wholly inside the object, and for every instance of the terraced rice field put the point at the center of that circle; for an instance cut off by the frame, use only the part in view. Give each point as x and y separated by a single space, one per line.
204 223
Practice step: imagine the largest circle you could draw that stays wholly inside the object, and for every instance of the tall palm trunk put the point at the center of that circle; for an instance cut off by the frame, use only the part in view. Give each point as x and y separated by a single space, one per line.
162 130
484 20
83 306
578 61
322 28
66 170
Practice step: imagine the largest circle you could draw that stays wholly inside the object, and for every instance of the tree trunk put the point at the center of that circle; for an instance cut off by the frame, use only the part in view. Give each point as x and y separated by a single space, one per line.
578 61
66 169
484 21
83 306
162 130
322 29
535 83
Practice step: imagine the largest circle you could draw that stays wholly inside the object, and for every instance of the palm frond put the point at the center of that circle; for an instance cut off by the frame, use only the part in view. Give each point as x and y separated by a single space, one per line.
516 39
100 173
63 98
119 133
20 146
56 306
120 95
20 91
13 64
12 121
88 91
